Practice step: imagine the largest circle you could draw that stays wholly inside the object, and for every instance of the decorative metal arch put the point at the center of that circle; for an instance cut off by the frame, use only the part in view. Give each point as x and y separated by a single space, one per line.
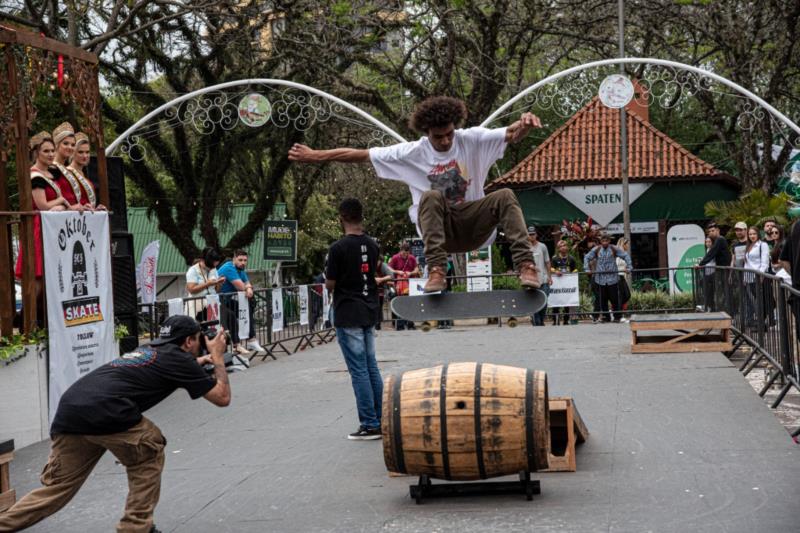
701 82
199 112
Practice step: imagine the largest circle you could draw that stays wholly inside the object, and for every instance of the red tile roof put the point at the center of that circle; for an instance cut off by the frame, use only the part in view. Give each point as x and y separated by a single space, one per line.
586 149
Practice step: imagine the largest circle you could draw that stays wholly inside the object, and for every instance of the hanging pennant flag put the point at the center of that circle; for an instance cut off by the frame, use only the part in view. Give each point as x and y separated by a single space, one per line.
277 310
175 306
302 302
212 307
244 315
147 271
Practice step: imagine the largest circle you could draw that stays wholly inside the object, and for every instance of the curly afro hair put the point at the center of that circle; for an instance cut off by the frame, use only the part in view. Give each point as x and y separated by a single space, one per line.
438 112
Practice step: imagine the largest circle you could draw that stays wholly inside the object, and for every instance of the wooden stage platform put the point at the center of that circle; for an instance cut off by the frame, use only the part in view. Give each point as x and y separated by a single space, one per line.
681 332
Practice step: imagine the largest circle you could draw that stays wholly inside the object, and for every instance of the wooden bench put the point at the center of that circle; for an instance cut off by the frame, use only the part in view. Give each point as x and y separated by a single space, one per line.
7 494
566 431
690 332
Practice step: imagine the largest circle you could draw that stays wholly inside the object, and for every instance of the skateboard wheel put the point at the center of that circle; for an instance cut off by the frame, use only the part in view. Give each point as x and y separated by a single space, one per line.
426 327
512 322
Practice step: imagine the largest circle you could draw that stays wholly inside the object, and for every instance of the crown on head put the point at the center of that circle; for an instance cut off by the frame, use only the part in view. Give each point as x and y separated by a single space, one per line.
38 139
81 137
63 131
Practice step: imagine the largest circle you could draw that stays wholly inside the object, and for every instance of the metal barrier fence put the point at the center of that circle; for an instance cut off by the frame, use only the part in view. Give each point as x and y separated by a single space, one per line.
292 337
765 312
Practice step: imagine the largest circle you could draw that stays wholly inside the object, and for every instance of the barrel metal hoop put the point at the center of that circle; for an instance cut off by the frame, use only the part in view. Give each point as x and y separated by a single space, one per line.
478 432
397 444
529 421
443 422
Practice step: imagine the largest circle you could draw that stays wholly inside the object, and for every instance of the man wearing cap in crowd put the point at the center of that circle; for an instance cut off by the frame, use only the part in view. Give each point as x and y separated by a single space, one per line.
740 245
541 260
103 411
718 254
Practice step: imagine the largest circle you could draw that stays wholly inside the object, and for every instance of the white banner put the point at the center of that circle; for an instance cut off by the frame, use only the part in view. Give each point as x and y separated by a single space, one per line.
636 227
146 272
326 304
212 307
244 315
175 307
302 303
416 286
601 202
277 310
564 291
80 302
685 248
479 263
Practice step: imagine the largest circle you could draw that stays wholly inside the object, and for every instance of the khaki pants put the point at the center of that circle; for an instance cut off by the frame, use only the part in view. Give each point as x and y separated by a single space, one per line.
466 226
72 458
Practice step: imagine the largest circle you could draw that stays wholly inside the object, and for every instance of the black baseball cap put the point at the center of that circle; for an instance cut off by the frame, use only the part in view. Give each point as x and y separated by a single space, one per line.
531 230
174 328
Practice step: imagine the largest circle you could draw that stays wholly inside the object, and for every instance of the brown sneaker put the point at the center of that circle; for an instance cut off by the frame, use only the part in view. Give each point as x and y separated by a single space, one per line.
528 277
437 279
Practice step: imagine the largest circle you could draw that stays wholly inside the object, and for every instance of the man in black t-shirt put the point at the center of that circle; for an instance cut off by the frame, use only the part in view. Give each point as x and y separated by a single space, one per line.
352 264
719 255
103 411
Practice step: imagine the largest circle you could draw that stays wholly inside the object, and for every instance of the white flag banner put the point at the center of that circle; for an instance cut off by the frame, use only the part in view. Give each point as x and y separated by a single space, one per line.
244 315
302 303
212 307
175 307
147 271
326 304
564 291
277 310
80 302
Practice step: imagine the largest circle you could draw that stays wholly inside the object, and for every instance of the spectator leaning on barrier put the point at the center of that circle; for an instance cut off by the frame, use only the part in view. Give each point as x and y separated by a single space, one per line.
720 255
562 263
756 258
541 260
769 224
739 245
383 277
202 279
235 274
404 265
351 273
591 244
624 289
606 275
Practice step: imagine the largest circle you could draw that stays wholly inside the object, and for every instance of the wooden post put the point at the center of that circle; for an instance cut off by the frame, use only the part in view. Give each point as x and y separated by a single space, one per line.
7 292
663 260
25 199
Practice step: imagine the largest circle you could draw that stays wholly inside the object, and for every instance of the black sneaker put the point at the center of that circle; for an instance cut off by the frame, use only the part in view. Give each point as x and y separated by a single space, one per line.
365 434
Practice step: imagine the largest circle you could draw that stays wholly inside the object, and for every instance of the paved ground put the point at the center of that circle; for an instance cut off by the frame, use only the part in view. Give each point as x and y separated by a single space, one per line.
678 442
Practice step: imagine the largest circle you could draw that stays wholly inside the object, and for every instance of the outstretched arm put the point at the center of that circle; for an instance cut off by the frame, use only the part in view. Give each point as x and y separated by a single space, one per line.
304 154
518 130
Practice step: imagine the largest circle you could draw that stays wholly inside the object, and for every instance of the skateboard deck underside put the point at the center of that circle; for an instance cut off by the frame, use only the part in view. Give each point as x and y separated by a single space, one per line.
463 305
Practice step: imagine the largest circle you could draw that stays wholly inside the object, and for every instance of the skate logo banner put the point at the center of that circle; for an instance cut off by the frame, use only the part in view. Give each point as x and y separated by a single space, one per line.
78 285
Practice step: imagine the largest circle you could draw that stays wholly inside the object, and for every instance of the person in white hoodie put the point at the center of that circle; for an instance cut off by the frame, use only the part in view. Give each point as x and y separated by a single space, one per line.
756 258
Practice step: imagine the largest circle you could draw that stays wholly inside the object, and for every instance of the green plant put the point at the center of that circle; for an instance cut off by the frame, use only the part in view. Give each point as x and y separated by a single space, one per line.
753 208
120 331
12 348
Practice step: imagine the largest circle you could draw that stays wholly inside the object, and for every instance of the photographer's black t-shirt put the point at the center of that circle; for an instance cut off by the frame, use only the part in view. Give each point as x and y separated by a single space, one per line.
352 261
112 398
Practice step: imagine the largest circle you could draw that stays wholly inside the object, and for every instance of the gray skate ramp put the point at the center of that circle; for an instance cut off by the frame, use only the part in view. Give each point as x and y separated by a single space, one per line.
679 442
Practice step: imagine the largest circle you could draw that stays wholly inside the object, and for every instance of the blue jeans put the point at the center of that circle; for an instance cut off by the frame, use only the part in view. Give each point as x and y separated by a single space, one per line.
358 348
538 318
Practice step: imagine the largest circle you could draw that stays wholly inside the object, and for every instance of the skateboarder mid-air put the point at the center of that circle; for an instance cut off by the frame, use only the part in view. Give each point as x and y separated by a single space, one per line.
446 171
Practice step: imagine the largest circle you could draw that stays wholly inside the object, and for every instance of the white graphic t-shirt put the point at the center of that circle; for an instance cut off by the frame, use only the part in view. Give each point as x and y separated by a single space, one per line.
459 173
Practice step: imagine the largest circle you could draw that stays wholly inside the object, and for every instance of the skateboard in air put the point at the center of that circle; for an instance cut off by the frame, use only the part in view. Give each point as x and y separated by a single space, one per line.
426 308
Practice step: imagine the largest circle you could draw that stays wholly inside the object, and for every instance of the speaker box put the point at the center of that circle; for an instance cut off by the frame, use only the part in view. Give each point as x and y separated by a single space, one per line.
116 190
121 243
124 285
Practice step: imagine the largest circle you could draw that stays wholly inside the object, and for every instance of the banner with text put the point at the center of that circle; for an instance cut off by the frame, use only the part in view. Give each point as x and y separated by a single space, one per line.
302 303
601 202
244 316
564 291
212 307
685 248
80 303
147 271
479 263
277 310
280 240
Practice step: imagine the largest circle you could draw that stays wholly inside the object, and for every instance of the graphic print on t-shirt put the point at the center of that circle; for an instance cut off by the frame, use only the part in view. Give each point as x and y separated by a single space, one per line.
450 178
142 356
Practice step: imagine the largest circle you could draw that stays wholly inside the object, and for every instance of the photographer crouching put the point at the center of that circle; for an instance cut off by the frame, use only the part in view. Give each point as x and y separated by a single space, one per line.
103 411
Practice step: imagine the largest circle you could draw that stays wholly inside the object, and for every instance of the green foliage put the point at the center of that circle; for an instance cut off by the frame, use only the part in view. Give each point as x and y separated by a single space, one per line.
505 282
120 331
12 347
657 300
754 208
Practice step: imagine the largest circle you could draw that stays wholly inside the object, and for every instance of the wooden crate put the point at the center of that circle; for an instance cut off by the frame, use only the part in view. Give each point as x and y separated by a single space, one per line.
566 431
683 332
7 495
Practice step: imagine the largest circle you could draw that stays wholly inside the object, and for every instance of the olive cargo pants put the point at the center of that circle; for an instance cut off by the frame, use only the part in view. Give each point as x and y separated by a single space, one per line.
73 457
466 226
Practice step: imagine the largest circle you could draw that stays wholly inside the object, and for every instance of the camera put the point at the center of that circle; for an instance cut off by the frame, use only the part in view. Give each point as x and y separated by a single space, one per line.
208 331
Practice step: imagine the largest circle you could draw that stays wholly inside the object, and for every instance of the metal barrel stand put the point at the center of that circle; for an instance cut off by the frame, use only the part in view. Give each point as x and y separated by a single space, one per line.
425 489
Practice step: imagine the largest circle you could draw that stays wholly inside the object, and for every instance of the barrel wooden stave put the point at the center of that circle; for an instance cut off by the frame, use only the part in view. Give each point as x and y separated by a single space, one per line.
502 427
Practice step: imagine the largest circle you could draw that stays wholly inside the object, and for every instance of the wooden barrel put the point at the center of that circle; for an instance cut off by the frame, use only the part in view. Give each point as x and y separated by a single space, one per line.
466 421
